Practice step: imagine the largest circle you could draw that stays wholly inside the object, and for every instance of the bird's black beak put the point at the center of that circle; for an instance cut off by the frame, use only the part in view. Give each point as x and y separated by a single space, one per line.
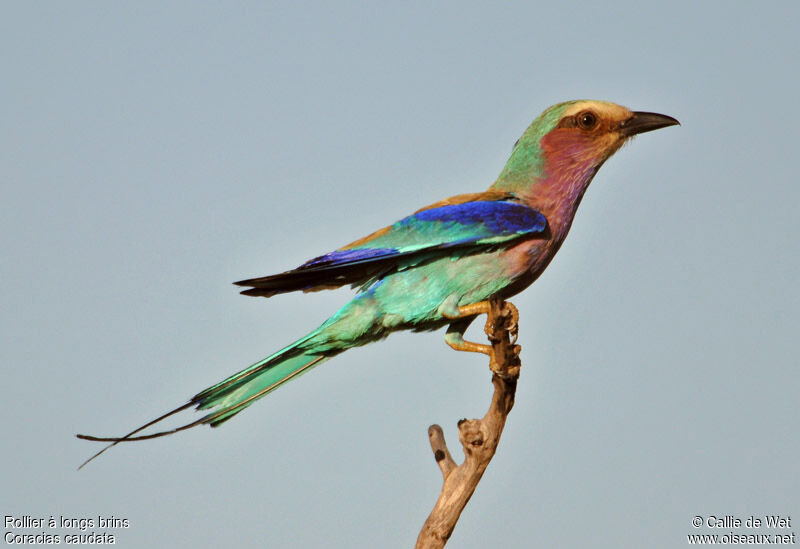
642 122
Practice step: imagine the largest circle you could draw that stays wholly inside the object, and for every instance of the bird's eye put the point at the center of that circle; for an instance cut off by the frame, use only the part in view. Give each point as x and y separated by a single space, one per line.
587 120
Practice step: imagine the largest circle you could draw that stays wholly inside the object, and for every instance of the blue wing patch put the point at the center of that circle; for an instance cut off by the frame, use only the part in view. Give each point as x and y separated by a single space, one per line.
495 217
348 256
479 222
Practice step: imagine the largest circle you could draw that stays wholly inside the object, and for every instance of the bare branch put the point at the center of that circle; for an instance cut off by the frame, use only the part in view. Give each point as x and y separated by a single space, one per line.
479 437
440 452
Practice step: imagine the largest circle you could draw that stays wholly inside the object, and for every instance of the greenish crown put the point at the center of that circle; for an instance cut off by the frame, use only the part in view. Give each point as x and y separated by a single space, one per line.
527 162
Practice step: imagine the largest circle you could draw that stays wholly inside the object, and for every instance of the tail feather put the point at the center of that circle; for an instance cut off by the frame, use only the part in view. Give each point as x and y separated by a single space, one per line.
233 394
236 398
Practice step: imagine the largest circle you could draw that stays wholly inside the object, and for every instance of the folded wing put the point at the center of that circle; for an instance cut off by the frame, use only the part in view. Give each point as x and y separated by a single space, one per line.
448 227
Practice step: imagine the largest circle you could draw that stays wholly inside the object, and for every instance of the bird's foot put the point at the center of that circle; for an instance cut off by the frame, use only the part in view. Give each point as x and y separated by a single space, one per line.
509 317
457 342
505 320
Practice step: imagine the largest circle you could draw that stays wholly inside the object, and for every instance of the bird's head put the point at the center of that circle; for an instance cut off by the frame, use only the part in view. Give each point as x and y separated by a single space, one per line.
570 141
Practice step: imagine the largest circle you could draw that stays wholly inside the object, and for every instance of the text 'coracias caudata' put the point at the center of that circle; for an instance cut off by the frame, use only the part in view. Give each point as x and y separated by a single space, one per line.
430 269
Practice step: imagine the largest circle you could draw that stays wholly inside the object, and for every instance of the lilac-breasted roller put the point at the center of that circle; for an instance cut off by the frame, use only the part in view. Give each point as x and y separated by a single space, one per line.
437 266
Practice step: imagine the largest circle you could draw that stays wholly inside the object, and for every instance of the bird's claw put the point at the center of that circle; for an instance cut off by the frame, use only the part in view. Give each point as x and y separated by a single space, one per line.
511 317
506 321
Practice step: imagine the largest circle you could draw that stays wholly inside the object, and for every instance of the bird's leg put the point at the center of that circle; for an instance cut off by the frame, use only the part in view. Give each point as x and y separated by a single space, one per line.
508 316
455 338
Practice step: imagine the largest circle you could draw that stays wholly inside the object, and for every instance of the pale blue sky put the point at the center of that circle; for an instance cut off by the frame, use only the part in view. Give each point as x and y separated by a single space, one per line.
152 154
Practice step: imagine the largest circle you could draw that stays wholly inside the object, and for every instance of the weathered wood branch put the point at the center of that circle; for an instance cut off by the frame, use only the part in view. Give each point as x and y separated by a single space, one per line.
479 437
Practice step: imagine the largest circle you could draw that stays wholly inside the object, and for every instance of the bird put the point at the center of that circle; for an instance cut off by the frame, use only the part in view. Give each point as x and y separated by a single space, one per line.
441 265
